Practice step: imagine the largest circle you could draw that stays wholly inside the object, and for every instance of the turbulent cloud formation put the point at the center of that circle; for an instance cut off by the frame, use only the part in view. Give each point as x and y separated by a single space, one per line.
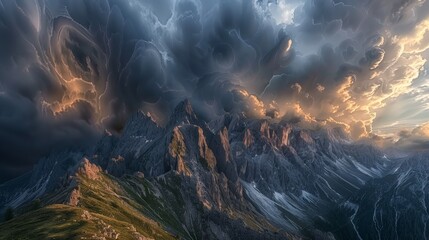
69 69
354 56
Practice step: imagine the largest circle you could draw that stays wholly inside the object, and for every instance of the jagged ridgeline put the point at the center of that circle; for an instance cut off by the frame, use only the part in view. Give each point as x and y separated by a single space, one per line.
232 178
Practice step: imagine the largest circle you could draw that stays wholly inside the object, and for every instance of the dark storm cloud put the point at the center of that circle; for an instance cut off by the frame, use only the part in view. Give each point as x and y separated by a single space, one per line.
27 130
26 136
70 69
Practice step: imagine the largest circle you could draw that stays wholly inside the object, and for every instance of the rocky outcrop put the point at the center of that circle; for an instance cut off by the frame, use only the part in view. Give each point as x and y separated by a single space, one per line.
74 197
248 139
177 150
89 169
285 136
222 151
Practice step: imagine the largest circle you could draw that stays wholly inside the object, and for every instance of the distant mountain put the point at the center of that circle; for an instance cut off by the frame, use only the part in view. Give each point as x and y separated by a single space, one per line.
394 206
232 178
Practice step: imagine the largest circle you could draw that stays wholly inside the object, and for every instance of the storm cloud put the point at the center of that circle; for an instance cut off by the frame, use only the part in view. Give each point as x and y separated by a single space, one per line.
352 58
69 70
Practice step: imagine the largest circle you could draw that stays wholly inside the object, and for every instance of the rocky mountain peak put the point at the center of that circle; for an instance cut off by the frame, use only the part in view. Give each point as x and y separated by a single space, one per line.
141 124
183 114
189 141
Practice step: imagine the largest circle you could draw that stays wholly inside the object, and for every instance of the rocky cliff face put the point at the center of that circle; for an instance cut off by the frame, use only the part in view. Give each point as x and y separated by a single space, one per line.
391 207
232 178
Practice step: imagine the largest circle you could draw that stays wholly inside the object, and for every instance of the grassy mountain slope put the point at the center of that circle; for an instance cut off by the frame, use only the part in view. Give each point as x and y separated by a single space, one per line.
100 206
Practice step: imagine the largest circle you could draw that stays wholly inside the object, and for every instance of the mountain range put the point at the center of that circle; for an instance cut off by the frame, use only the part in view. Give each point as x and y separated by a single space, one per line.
234 177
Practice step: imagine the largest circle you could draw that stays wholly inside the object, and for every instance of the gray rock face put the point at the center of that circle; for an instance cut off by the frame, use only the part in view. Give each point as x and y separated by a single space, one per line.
294 180
392 207
48 176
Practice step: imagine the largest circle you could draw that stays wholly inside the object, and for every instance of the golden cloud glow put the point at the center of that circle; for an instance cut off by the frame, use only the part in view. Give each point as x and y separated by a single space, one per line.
79 66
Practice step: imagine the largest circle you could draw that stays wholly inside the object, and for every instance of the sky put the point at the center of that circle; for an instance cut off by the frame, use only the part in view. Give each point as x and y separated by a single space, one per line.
70 70
408 108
